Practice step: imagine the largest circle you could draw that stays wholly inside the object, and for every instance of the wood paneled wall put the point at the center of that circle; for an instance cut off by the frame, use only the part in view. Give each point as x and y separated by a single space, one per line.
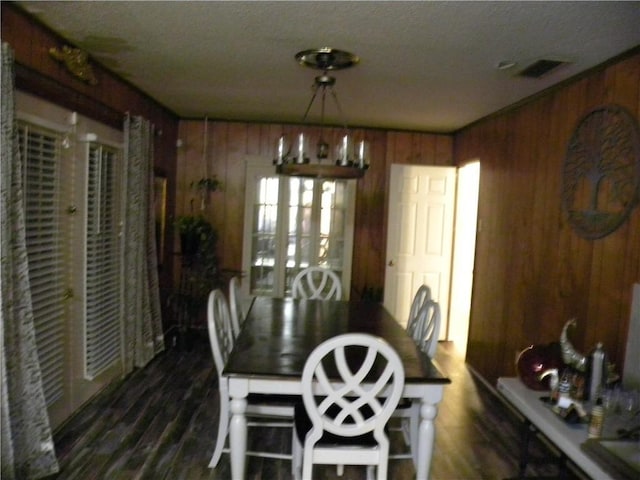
532 272
108 101
226 147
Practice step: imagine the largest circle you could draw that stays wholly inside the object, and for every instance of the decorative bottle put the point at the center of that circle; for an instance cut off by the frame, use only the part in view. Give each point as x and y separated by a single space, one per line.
564 391
597 420
597 372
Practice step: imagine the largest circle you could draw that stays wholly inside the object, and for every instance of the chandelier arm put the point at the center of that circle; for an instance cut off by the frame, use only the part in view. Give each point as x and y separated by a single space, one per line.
324 96
313 97
340 112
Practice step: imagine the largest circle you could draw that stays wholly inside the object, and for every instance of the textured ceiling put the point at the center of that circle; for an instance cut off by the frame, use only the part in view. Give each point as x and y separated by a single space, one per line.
428 66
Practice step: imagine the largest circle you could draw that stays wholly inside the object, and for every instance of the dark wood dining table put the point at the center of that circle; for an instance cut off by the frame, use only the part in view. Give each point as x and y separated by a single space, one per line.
279 334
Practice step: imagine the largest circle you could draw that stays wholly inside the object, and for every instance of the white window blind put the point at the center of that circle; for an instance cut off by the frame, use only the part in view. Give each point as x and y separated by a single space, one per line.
102 295
40 152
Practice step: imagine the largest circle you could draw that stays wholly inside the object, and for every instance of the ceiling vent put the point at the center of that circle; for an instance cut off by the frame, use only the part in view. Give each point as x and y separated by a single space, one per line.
540 68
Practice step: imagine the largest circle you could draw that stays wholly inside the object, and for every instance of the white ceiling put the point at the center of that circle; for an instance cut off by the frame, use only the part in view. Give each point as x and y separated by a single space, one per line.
428 66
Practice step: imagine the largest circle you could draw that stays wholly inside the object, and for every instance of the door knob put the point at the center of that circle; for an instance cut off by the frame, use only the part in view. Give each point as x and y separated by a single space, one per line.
391 264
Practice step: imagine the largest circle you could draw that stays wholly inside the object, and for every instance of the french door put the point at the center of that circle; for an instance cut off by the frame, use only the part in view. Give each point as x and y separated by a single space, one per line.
292 223
71 179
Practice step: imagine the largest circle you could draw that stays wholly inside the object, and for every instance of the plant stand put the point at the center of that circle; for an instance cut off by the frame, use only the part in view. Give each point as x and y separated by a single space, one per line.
199 274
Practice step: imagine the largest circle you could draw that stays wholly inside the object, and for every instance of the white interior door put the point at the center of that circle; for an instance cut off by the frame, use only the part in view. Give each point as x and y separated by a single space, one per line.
419 239
463 254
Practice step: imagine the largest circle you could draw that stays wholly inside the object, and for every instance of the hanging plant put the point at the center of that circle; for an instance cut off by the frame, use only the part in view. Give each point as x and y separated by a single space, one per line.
207 185
204 187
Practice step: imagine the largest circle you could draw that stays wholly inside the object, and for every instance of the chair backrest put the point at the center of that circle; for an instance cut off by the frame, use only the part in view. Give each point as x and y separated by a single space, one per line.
428 327
422 295
317 283
348 408
220 330
237 315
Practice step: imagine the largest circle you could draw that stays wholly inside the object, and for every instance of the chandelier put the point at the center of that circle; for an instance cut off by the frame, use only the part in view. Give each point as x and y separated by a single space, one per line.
350 160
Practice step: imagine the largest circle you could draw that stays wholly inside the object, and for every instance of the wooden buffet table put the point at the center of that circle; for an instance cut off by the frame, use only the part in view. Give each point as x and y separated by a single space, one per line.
279 334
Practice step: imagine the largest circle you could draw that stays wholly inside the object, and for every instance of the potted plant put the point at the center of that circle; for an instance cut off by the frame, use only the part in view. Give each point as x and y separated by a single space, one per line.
200 272
192 230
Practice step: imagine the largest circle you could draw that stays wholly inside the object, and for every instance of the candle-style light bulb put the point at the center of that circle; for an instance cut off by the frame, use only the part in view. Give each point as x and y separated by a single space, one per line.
300 156
362 157
343 151
281 150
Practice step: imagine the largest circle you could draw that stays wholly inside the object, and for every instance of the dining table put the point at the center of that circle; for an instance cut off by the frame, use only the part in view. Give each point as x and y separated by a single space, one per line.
278 335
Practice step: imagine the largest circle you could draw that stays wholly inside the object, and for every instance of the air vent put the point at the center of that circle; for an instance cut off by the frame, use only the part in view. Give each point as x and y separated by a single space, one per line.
540 68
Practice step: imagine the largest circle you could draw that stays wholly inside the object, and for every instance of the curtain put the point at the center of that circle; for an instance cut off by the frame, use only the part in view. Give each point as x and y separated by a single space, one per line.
142 328
27 444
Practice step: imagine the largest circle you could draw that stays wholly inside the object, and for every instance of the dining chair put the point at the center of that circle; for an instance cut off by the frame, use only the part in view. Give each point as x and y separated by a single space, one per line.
425 334
428 327
422 295
274 411
317 283
342 422
237 315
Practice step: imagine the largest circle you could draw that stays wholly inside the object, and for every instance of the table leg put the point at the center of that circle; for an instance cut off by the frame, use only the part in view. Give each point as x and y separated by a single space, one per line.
563 469
426 439
524 447
238 437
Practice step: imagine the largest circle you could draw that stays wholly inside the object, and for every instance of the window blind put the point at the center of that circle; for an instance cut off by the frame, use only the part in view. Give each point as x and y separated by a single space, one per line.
102 295
40 152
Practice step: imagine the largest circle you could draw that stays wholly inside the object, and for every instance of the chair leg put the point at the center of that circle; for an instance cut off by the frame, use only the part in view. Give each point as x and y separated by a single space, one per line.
340 470
223 427
405 427
296 456
381 470
414 424
371 472
307 464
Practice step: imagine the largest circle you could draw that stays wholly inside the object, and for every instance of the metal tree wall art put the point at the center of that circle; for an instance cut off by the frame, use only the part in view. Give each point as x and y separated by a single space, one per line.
601 177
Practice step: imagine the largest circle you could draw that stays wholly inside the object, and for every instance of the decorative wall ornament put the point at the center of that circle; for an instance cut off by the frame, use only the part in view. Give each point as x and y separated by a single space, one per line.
76 61
601 174
570 355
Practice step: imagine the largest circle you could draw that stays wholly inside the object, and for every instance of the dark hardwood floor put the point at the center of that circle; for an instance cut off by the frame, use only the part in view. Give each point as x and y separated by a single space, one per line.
161 423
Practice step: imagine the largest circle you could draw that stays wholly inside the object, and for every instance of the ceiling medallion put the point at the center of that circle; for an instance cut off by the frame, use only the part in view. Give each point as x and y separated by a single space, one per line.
350 161
601 173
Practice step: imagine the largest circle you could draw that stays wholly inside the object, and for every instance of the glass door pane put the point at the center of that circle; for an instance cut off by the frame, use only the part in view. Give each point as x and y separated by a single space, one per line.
316 226
264 237
292 223
332 225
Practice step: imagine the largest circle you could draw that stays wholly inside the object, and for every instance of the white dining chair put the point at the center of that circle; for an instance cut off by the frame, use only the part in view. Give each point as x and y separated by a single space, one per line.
422 295
274 411
425 334
428 328
237 315
342 422
317 283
